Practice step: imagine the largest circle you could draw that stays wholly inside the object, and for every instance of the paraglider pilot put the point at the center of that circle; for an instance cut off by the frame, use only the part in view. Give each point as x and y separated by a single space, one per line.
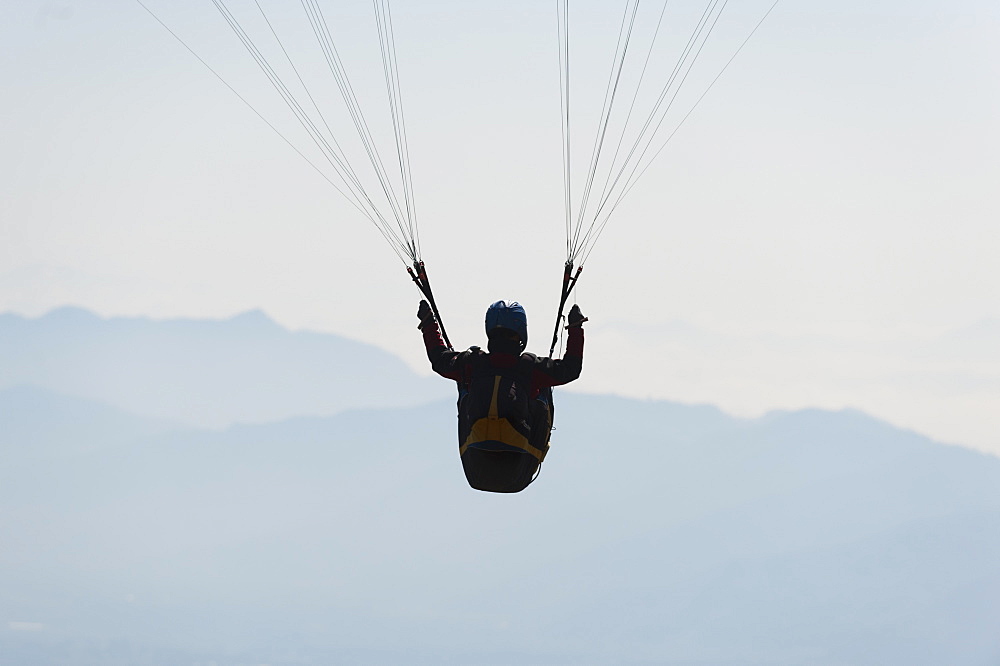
505 405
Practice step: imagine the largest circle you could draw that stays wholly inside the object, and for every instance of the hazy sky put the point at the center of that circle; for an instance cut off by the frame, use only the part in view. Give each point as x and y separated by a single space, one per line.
822 232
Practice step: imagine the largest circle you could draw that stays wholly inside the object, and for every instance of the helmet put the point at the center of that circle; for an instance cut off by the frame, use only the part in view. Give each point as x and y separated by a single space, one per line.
510 317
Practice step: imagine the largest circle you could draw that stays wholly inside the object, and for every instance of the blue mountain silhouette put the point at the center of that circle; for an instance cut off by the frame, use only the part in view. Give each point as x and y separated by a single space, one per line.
204 372
657 533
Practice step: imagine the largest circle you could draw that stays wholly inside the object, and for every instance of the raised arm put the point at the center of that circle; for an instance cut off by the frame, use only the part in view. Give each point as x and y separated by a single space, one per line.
444 361
556 372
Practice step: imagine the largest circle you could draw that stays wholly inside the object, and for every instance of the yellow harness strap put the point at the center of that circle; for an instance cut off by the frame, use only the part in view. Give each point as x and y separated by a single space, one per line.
494 428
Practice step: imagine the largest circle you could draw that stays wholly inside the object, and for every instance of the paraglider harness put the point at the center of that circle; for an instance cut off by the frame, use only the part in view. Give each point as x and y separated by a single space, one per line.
503 431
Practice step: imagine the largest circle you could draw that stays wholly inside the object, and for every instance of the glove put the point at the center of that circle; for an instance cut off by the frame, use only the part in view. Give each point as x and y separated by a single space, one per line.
575 317
424 314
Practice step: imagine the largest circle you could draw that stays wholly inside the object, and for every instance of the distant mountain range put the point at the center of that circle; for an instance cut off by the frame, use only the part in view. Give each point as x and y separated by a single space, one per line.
656 533
247 369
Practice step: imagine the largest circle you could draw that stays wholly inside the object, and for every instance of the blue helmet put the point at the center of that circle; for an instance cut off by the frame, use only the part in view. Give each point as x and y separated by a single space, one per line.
511 317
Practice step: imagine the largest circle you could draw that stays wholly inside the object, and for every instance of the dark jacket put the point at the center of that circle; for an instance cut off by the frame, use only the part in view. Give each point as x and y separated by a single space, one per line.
546 372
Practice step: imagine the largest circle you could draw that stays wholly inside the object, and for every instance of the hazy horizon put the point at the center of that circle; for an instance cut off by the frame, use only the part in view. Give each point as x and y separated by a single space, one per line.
697 350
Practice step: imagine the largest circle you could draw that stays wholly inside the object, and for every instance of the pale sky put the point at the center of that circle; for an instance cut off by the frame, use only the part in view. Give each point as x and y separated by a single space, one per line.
822 232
